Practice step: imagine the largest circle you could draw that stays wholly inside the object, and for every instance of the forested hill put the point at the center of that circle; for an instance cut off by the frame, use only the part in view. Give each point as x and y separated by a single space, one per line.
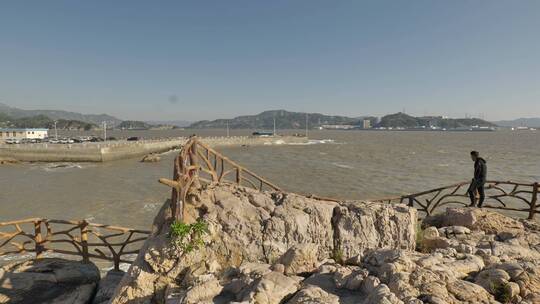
284 120
402 120
42 121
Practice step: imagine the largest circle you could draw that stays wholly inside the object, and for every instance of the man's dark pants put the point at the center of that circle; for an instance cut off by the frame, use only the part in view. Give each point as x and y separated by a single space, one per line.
476 186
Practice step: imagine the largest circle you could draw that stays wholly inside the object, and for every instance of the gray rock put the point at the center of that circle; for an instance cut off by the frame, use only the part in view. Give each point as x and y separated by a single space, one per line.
107 285
49 280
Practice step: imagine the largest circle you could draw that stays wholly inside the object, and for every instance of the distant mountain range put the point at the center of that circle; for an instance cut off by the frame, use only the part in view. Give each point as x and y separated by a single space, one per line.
520 122
296 120
15 117
97 119
284 120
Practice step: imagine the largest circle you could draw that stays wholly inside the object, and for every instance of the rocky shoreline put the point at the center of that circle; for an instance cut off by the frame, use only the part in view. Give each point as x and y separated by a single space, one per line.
284 248
266 247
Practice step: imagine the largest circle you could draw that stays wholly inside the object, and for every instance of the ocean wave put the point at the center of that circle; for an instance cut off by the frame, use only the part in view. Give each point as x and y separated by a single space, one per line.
61 166
314 142
150 207
344 166
16 257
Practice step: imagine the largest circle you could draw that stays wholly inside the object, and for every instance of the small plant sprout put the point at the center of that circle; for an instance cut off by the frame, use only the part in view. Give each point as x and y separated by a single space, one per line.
189 237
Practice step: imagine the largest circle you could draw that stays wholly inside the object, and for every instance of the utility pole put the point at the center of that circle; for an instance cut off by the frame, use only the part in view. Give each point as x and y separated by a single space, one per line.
104 131
307 124
55 130
274 134
228 128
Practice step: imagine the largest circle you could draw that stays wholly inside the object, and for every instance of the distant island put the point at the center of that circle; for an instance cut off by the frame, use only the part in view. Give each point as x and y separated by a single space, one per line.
533 122
296 120
11 117
402 120
283 119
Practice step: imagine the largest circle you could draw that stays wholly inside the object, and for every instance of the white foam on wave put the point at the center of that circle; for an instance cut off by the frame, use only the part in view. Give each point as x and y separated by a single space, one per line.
150 207
315 142
344 166
61 166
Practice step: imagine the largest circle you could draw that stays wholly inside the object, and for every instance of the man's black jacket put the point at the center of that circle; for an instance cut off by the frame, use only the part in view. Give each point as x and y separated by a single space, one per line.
480 171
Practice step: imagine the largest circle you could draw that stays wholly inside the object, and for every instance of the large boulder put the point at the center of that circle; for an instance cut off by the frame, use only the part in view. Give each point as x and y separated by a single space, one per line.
294 233
298 219
313 295
49 280
301 258
271 288
151 158
481 219
359 227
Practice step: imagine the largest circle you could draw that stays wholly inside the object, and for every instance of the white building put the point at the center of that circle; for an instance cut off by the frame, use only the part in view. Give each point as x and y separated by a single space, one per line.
337 127
366 124
23 133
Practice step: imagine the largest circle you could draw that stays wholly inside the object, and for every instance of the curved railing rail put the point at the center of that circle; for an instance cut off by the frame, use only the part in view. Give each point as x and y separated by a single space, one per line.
196 163
502 195
79 238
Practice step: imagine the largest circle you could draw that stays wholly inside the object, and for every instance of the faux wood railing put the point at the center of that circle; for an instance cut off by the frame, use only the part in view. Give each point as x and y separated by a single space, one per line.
198 163
502 195
79 238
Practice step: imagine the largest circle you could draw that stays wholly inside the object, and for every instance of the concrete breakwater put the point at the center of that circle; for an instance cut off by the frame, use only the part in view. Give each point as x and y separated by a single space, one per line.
115 150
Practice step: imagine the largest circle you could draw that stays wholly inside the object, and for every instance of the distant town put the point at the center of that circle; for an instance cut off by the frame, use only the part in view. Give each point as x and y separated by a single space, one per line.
17 125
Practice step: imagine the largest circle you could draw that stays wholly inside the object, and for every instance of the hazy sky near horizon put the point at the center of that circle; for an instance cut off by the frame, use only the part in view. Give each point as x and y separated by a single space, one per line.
191 60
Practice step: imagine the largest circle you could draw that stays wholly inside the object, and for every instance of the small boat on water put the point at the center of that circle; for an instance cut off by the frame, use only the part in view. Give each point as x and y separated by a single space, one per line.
262 133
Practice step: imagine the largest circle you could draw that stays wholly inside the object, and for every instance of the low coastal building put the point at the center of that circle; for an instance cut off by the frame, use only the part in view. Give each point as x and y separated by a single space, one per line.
23 134
337 127
366 124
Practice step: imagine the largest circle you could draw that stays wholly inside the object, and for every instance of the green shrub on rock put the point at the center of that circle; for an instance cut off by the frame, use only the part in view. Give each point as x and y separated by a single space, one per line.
189 236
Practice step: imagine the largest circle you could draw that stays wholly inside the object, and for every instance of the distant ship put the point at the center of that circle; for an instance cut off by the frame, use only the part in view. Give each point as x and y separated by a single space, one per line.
523 129
262 133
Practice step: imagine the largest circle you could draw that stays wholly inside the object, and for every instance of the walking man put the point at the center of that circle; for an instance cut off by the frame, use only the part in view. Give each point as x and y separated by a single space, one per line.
479 179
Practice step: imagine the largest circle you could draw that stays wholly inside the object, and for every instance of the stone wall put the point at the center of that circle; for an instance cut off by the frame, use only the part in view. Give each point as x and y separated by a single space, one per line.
114 150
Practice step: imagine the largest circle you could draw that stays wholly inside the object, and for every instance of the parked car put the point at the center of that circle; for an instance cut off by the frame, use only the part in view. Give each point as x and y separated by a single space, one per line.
133 138
12 141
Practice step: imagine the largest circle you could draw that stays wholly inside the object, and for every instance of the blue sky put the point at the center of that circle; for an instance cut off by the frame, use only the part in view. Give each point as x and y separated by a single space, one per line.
191 60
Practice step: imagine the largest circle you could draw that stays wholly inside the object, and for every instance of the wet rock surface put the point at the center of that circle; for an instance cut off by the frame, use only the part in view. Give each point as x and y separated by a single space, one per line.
151 158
